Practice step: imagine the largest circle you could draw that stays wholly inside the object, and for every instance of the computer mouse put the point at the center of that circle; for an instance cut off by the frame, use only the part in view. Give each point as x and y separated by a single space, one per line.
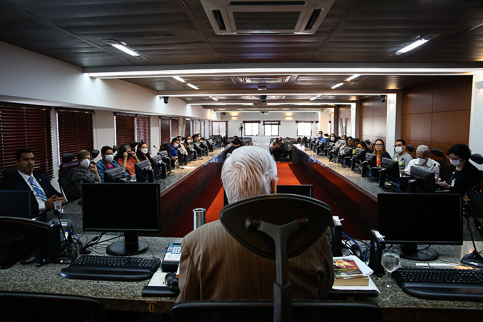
170 277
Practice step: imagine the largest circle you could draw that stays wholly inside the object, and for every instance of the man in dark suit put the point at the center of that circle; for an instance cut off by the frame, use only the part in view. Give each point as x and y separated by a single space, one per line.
25 179
214 266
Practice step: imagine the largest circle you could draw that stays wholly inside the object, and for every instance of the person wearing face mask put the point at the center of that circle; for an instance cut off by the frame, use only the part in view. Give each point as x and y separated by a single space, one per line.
172 149
463 176
423 161
142 153
181 148
127 158
321 137
107 162
85 172
401 155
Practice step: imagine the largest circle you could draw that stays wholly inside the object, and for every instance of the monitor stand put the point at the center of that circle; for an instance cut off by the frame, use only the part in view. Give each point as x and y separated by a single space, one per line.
130 246
417 253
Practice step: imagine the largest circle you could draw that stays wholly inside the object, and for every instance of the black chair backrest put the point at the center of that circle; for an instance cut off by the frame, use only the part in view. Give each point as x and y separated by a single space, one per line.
278 226
16 306
210 311
64 186
7 172
19 237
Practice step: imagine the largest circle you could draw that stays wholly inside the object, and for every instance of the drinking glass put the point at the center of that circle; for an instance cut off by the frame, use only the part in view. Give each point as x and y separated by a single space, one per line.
391 261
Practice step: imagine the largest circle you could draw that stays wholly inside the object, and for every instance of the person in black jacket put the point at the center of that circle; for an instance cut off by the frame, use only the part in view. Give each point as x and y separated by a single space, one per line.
25 179
463 176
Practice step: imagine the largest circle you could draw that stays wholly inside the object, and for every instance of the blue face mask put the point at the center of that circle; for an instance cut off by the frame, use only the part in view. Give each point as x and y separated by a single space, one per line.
342 141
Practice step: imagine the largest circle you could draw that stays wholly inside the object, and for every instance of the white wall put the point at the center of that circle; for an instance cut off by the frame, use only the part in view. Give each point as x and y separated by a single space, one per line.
287 127
476 130
38 79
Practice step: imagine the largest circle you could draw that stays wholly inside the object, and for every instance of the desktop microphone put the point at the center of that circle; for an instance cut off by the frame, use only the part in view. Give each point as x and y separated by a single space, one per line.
155 147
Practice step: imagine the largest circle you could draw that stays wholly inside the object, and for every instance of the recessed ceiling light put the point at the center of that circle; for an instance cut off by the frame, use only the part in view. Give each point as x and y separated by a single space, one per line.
192 86
221 109
415 44
123 47
352 77
179 79
337 85
214 98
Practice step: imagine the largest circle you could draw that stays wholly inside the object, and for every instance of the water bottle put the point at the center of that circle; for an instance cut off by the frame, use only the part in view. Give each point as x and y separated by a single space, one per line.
199 217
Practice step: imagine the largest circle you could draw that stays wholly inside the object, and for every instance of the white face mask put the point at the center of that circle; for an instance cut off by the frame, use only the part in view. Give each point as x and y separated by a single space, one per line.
109 157
189 141
175 145
85 163
332 138
398 149
421 161
455 163
144 151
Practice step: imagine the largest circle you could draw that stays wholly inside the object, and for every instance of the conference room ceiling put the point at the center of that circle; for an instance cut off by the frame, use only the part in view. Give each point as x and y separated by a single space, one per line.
176 36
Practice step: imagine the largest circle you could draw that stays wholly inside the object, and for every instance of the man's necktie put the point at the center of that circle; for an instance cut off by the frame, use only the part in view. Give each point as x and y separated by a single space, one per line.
37 188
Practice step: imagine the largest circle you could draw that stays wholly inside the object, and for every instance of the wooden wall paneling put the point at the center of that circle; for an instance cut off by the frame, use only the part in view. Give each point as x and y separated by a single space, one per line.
418 99
443 129
452 94
417 127
367 108
367 127
379 126
175 127
165 130
380 108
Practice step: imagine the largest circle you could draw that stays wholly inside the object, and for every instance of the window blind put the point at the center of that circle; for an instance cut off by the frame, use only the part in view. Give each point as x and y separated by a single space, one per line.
26 126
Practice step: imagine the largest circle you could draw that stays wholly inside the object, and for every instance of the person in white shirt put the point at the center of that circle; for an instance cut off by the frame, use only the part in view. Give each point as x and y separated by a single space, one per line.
25 179
423 161
401 155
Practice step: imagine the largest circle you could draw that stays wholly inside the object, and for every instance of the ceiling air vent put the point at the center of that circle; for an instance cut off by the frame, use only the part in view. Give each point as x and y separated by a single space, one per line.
266 17
263 79
263 112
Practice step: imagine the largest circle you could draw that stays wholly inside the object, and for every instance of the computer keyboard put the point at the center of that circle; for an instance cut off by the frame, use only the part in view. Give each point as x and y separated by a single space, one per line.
441 283
111 268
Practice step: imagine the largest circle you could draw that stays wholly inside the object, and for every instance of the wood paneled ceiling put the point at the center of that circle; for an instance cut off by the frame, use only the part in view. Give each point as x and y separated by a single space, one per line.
177 35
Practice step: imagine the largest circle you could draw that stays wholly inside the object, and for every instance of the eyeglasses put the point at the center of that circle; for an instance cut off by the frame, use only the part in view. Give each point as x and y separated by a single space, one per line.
378 144
398 145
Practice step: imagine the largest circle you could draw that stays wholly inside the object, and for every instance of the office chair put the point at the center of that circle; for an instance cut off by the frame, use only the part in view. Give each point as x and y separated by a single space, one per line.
444 166
19 306
19 237
64 177
7 172
276 226
94 153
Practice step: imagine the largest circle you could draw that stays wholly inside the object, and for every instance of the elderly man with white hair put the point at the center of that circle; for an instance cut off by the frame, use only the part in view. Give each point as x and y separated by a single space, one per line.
423 161
214 266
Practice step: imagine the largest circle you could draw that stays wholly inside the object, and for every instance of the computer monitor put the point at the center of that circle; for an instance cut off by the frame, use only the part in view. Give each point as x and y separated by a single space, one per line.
412 219
159 166
358 157
18 203
114 175
143 171
301 189
127 208
371 160
369 163
423 181
389 171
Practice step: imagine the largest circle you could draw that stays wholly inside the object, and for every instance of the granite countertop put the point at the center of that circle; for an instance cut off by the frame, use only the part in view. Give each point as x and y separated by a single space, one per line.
115 295
126 296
